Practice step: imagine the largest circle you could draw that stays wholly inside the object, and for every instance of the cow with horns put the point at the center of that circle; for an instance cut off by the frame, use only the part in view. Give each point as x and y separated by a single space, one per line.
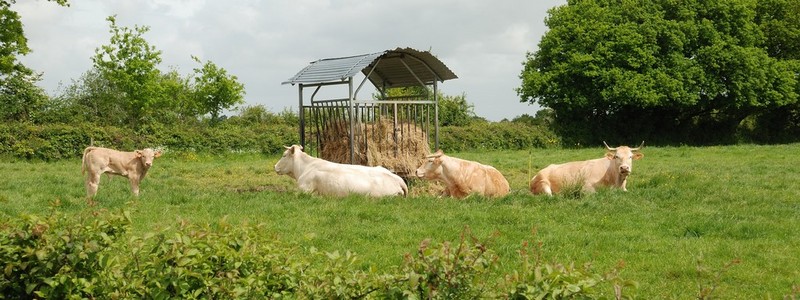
611 170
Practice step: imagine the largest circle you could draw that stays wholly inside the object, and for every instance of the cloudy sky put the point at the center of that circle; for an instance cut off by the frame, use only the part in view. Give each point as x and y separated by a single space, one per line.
264 43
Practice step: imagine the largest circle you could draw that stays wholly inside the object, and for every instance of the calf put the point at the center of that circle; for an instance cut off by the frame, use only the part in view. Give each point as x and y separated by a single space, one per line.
133 165
463 177
315 175
611 170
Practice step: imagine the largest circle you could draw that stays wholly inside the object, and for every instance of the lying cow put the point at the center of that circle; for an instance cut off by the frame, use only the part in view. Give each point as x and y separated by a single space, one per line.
611 170
463 177
315 175
133 165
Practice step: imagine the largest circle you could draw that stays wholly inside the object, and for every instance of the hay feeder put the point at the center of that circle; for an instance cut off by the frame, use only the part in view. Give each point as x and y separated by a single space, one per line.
394 132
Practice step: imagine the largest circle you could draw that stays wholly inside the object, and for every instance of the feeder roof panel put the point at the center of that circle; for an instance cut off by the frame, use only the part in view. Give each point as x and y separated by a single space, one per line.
401 67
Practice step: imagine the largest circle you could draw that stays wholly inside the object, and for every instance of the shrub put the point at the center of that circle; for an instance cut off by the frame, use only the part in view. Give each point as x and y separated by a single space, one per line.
56 256
220 262
445 272
538 279
92 256
62 141
500 135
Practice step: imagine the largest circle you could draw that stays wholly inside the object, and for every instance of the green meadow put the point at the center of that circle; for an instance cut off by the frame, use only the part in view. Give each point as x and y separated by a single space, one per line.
695 219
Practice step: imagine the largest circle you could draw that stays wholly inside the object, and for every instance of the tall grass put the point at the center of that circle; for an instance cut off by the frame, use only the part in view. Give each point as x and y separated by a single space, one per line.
722 220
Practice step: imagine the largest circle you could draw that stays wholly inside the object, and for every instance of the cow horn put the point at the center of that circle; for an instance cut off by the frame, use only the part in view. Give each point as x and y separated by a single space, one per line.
637 148
609 148
287 147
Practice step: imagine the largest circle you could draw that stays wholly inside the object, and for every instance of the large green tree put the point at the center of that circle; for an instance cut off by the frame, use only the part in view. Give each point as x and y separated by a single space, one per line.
129 63
662 70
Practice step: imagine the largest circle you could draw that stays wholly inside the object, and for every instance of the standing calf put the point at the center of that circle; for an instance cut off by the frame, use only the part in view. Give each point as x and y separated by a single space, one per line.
611 170
463 177
133 165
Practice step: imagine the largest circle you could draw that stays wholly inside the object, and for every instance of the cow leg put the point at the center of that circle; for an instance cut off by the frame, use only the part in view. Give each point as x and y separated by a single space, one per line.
588 188
546 189
134 186
92 183
541 187
307 187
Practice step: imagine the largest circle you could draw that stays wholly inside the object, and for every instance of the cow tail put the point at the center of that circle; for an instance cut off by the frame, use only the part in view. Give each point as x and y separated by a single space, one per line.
83 159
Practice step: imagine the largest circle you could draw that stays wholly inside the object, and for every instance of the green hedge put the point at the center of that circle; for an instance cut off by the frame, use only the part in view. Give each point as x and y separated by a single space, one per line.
92 255
500 135
60 141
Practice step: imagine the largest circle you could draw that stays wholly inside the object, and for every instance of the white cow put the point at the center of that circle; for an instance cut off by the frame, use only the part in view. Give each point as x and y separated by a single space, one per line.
611 170
133 165
315 175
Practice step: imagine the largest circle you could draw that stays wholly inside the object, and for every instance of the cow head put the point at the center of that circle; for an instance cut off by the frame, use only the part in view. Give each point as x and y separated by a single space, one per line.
285 165
432 167
147 156
623 157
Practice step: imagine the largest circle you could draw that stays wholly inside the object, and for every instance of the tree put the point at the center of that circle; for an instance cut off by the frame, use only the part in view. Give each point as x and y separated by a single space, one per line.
453 110
180 105
215 90
90 98
129 64
676 71
20 98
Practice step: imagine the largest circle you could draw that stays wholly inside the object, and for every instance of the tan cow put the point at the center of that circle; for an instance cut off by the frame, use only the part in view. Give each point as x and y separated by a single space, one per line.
463 177
315 175
132 165
611 170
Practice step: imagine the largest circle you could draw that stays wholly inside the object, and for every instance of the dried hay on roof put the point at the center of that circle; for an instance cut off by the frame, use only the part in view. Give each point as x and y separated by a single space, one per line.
400 148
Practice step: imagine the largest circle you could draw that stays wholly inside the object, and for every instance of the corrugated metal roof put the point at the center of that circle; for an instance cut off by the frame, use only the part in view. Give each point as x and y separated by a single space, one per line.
388 68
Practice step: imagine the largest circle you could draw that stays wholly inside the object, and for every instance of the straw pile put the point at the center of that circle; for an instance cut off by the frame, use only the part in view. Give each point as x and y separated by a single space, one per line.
401 148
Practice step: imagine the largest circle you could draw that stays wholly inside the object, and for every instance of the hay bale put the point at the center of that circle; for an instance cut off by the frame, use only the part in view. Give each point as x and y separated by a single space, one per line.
401 148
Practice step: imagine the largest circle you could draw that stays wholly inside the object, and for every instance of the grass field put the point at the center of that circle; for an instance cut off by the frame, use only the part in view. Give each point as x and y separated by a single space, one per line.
694 218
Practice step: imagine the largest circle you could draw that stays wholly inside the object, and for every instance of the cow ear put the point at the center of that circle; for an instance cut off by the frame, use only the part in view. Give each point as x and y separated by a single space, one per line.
157 154
638 155
138 153
296 149
610 155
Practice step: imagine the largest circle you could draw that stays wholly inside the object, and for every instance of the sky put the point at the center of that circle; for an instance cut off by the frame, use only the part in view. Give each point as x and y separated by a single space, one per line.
264 43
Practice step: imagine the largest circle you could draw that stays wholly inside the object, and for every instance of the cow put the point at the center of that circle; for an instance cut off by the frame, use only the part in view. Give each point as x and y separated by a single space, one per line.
132 165
463 177
611 170
322 177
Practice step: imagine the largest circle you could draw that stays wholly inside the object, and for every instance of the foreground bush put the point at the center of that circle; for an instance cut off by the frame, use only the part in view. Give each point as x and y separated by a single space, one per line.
59 257
94 256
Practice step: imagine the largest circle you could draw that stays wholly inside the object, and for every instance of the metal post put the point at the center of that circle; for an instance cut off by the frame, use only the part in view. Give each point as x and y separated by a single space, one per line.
436 116
301 115
352 120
